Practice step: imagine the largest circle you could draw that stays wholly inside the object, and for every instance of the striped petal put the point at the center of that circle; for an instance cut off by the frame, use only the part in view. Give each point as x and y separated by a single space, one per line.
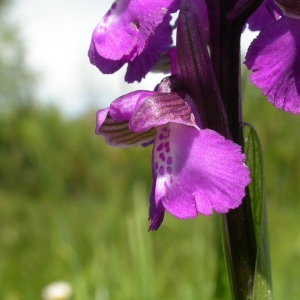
161 109
131 119
117 134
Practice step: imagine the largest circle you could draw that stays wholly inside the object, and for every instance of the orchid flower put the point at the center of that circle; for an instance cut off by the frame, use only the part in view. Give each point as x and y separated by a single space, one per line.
274 59
195 171
197 163
133 32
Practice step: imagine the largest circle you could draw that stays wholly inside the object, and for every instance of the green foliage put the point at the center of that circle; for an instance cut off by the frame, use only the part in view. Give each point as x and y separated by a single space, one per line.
278 132
17 83
262 288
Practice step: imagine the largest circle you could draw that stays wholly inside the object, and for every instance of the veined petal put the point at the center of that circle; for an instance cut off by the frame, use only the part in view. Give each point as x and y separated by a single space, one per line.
274 59
118 134
125 106
130 28
197 171
160 109
113 122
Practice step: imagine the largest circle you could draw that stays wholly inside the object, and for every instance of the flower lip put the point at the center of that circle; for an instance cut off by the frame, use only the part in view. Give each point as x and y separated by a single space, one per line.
195 172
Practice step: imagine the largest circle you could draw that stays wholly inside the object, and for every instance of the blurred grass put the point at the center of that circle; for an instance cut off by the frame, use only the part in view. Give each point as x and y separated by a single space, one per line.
75 209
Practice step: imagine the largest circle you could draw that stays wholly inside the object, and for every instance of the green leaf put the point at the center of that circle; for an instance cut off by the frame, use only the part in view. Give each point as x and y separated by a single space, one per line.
262 289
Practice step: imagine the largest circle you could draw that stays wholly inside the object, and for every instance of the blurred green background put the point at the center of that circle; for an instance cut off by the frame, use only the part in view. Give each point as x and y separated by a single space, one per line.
73 209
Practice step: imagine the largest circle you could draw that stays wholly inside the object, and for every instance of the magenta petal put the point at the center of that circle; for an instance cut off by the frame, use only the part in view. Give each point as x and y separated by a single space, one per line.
100 118
267 13
159 43
156 214
159 109
113 122
125 106
274 59
132 30
106 66
197 171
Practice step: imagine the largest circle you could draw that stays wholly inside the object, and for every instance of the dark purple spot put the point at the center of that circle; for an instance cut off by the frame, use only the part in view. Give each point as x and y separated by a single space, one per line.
169 170
167 146
156 165
160 147
161 136
162 157
169 160
165 129
114 5
161 170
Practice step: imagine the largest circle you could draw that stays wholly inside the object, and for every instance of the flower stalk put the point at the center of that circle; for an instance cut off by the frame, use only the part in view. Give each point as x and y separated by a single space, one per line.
227 19
207 76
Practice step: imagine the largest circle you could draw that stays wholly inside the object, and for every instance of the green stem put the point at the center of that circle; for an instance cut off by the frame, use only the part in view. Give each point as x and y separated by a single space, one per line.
225 54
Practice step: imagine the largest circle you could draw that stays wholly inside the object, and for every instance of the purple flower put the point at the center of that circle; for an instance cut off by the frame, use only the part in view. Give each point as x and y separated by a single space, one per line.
195 171
135 32
274 59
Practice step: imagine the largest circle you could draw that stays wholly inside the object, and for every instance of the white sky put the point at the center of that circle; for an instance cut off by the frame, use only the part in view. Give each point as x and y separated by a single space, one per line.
57 35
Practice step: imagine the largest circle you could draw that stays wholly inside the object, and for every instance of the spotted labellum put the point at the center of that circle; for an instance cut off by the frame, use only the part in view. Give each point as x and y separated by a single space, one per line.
195 171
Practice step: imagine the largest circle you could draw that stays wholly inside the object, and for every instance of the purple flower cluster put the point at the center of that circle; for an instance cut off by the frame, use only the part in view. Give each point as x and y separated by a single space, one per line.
195 170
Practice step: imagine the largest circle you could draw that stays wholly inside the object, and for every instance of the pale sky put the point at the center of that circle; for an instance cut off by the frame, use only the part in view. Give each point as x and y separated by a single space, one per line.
57 35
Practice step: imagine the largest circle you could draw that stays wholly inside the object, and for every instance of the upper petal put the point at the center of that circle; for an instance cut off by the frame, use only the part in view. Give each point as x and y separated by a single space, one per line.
159 109
127 30
106 66
198 172
125 106
145 61
274 59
